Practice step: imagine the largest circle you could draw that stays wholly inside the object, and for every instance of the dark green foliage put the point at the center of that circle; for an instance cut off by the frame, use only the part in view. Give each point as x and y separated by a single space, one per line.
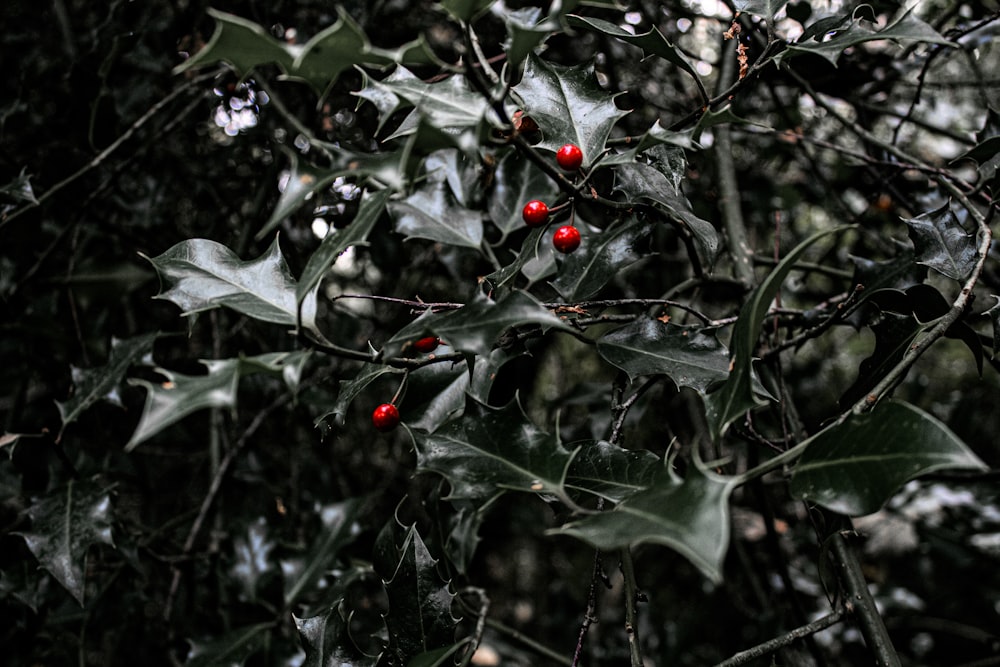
189 474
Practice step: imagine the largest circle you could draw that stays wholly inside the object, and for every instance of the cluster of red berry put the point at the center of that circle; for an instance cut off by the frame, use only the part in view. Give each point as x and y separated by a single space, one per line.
536 213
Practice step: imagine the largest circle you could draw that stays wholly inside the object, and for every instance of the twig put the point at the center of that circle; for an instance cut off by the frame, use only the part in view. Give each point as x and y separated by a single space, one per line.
772 645
590 616
631 608
539 648
860 598
106 153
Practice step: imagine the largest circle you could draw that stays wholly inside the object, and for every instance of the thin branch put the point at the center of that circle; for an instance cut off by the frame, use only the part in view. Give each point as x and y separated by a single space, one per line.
860 600
537 647
631 608
772 646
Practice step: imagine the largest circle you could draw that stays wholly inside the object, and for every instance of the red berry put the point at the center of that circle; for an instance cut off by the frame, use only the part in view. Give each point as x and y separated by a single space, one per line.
535 213
386 417
570 157
427 344
566 239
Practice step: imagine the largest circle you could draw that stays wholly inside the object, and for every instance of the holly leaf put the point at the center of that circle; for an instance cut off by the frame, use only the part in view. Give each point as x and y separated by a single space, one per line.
534 254
339 528
241 44
200 275
419 617
64 525
942 243
893 334
691 517
898 272
447 104
690 356
180 395
351 389
659 183
486 369
252 558
488 449
855 466
652 43
569 106
517 181
476 326
611 472
736 396
524 32
326 640
763 8
986 152
90 386
232 648
585 272
854 30
466 10
19 189
337 241
433 213
435 394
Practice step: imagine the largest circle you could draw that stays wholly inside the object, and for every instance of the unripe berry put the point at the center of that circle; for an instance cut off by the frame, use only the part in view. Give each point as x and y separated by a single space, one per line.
566 239
535 213
427 344
385 418
569 157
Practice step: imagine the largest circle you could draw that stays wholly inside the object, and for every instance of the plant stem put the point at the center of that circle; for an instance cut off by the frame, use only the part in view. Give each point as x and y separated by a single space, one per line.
631 603
539 648
771 646
860 601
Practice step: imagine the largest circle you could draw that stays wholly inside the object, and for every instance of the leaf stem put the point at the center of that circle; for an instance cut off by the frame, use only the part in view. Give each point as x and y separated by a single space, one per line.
771 646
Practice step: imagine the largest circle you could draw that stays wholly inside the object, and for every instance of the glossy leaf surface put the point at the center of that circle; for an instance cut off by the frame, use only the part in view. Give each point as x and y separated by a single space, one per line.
488 449
200 275
611 472
690 356
691 517
327 642
92 385
64 525
855 467
583 273
569 106
942 243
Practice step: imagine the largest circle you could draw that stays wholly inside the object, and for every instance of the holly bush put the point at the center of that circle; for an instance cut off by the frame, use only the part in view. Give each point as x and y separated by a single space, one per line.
500 333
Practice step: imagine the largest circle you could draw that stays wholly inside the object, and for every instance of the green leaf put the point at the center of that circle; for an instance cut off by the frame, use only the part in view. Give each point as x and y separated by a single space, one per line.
611 472
604 256
327 642
534 253
419 618
331 51
340 528
435 394
242 44
986 152
517 181
19 189
441 656
351 389
657 134
942 243
689 355
433 213
525 32
652 43
893 335
233 648
64 525
447 104
201 275
736 396
337 241
252 558
854 467
466 10
763 8
493 448
569 106
90 386
659 183
851 31
485 371
169 402
898 273
475 327
690 517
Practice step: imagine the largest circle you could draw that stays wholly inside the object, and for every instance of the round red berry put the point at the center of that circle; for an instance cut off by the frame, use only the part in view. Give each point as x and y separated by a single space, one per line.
426 344
570 157
535 213
566 239
386 417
